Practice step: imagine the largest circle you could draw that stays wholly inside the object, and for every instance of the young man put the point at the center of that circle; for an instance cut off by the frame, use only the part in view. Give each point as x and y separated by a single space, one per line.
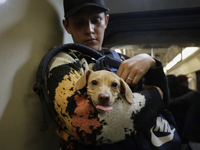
86 21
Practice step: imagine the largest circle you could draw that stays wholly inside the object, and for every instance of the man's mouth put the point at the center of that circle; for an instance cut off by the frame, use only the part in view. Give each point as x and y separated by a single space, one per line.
90 40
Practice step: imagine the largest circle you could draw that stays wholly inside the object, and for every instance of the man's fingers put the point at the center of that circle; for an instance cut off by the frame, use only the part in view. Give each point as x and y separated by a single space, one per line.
122 73
136 79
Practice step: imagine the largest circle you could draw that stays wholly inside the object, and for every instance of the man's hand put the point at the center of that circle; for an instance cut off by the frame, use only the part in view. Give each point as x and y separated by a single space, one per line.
132 70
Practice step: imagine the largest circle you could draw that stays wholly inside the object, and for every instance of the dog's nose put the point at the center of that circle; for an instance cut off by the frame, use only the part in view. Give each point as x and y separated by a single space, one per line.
103 98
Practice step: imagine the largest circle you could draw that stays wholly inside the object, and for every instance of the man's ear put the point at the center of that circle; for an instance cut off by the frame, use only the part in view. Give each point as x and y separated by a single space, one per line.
106 19
66 25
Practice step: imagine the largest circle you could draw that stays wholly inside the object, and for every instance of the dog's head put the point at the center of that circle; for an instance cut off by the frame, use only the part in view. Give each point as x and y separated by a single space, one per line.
104 87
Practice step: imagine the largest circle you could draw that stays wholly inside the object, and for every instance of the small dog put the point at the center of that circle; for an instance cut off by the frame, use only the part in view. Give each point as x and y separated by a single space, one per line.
104 87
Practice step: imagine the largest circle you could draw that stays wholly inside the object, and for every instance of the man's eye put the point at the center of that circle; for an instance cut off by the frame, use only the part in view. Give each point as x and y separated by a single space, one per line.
96 20
79 23
114 84
94 82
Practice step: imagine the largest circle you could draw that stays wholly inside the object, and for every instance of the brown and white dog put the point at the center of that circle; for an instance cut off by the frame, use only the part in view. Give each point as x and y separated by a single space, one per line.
116 110
104 87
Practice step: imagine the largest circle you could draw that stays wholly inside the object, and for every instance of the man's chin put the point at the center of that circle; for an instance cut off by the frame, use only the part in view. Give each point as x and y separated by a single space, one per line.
97 48
93 45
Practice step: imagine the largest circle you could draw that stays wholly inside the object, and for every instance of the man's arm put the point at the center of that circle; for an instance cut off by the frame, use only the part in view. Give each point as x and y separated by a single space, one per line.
135 68
157 77
144 66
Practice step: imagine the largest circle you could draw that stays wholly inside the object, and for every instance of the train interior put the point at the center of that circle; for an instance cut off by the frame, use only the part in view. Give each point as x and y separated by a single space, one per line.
170 35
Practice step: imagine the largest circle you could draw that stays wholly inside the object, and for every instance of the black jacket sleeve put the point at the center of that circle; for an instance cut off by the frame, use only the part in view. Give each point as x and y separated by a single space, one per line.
158 78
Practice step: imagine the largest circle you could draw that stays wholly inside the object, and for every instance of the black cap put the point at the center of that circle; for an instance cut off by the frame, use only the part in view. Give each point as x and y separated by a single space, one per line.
72 6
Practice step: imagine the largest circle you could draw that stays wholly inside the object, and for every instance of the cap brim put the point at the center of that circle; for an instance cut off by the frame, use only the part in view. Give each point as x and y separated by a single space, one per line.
77 8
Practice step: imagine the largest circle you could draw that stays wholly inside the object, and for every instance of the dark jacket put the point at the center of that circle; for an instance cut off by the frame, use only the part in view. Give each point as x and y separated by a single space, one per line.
67 66
186 110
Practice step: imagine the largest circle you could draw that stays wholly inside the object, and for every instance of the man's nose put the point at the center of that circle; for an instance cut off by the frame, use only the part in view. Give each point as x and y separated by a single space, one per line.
89 28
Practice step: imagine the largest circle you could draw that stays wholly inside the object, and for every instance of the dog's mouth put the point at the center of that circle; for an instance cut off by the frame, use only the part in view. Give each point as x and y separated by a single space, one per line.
101 106
104 108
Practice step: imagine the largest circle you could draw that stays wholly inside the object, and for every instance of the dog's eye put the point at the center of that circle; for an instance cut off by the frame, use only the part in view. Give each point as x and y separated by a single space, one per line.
114 84
94 82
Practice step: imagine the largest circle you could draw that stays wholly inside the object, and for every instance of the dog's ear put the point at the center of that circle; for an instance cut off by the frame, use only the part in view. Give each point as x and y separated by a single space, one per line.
83 80
125 88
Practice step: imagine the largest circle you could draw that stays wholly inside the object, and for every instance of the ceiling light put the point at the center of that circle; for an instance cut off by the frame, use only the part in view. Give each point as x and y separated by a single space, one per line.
188 51
173 62
118 50
2 1
185 53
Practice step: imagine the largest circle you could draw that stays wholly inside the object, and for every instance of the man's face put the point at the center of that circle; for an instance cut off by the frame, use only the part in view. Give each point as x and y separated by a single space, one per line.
87 27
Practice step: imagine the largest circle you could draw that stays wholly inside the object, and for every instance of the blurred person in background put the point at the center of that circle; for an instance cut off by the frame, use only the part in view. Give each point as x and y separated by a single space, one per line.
185 106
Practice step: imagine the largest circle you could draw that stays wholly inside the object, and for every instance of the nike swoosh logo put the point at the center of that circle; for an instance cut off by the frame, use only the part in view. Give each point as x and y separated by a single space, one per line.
161 126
